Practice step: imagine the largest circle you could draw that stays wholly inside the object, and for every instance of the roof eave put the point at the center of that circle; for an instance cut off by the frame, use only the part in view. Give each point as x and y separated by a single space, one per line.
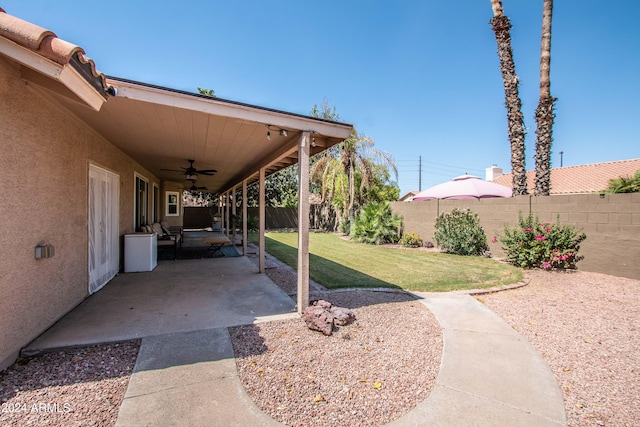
67 75
222 107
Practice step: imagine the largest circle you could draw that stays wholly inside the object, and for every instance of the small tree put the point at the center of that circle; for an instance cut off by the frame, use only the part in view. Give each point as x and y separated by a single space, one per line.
207 92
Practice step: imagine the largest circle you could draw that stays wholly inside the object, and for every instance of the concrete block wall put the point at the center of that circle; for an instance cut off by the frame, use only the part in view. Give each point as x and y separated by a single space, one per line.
610 221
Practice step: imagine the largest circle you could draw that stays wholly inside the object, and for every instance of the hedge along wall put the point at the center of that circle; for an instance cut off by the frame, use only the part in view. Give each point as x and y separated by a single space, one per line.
611 223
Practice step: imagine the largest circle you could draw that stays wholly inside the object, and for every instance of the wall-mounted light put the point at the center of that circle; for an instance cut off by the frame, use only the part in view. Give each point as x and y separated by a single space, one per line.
45 251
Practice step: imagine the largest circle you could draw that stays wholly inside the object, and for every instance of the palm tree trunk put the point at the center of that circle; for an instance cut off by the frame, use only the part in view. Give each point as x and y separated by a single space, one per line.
352 191
502 26
544 112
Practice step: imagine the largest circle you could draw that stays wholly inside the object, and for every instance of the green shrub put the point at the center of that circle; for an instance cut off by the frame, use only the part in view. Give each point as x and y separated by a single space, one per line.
535 245
376 224
459 232
253 223
345 227
411 240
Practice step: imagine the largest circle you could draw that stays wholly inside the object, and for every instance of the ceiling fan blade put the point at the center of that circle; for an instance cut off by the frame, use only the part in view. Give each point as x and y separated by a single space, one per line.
209 172
171 170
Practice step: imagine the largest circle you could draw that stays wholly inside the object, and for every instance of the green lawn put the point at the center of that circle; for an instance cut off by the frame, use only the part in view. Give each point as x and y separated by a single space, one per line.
337 263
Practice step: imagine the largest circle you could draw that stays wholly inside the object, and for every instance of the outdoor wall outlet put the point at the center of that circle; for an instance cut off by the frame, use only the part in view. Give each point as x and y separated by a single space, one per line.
45 251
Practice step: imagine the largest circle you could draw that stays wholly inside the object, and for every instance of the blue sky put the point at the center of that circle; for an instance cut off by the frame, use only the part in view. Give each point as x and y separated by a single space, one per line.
421 78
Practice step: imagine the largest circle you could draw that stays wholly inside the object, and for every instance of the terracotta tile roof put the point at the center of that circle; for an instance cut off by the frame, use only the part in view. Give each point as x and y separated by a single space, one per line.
590 178
45 43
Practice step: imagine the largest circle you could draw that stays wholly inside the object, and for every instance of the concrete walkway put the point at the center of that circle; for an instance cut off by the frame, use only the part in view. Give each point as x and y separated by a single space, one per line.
489 376
188 379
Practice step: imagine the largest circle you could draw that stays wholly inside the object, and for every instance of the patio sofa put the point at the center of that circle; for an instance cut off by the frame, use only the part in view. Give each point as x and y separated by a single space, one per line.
167 235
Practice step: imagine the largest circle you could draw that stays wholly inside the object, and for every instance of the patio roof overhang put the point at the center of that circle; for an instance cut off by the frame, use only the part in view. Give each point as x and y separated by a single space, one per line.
161 128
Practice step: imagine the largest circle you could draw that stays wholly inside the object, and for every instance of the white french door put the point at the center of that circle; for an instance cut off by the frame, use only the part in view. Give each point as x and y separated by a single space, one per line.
104 245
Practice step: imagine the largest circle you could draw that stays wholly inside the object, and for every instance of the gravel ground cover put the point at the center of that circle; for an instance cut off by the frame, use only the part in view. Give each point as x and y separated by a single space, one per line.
365 374
587 328
74 387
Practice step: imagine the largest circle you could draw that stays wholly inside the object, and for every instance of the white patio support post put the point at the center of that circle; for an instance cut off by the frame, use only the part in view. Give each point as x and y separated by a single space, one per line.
245 232
303 222
261 214
226 212
233 215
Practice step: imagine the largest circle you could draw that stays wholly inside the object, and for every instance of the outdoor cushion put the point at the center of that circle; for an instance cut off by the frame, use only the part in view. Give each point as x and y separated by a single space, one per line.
158 229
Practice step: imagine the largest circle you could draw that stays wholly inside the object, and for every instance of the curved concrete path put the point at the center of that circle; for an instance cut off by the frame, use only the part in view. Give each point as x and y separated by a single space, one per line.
489 376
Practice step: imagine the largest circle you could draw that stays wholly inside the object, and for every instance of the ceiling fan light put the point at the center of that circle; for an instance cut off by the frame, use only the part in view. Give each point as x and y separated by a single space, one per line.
283 132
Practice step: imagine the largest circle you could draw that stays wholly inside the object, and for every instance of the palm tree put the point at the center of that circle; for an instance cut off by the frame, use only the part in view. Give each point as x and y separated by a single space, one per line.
544 112
625 184
502 26
337 169
357 155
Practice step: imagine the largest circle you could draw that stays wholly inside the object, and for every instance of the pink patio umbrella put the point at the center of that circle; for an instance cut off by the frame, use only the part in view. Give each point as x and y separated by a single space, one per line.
464 187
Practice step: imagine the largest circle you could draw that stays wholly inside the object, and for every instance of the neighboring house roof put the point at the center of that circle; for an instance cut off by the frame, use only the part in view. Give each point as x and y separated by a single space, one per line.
408 197
69 63
580 179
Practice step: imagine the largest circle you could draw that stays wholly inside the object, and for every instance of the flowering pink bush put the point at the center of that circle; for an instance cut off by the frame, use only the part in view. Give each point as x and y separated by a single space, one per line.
547 246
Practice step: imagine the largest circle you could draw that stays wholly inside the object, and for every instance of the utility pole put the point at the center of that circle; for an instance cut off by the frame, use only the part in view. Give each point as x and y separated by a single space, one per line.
420 173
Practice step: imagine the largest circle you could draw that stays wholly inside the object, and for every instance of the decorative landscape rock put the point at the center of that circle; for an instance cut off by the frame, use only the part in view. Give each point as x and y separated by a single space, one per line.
342 316
322 316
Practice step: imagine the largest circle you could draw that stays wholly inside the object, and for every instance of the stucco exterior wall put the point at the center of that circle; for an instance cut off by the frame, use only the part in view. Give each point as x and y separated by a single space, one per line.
174 187
611 223
44 166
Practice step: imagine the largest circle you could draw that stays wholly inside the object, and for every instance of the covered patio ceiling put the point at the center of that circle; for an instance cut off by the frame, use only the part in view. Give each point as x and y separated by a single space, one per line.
161 128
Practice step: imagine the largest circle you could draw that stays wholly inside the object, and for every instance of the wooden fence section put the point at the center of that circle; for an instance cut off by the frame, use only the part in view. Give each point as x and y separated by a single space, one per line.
275 218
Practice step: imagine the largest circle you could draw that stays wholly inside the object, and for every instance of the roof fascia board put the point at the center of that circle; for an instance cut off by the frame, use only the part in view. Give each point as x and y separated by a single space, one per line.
66 75
29 58
220 108
72 79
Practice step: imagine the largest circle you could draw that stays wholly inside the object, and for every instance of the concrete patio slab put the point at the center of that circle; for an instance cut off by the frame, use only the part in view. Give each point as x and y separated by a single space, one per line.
178 296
